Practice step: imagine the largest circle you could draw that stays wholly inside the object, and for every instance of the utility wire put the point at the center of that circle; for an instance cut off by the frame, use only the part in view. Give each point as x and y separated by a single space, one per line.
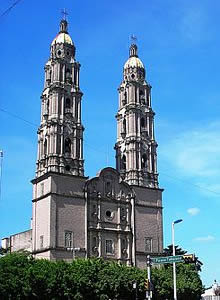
98 150
189 183
17 117
7 11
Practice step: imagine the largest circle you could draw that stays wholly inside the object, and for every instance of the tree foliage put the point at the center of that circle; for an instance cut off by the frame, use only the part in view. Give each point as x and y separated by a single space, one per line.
2 251
23 277
169 250
179 251
189 284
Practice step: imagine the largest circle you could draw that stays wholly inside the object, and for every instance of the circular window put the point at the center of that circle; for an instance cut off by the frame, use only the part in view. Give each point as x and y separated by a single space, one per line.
109 214
132 76
67 168
59 52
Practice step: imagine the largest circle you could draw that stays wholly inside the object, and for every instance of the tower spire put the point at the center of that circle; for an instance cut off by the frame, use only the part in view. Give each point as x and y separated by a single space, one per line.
64 14
60 135
136 157
133 51
133 46
63 22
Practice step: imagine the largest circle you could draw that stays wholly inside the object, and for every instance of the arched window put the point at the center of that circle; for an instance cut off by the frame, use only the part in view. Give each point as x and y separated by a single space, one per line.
68 75
45 147
144 161
124 99
67 145
47 107
142 123
68 103
50 76
123 162
141 97
124 126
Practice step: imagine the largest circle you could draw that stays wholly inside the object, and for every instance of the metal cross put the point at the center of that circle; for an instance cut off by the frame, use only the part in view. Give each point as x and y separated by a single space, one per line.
64 14
133 39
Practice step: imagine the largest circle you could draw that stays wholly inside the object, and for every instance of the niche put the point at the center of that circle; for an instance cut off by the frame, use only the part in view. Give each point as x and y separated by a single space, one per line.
68 103
123 162
144 161
67 145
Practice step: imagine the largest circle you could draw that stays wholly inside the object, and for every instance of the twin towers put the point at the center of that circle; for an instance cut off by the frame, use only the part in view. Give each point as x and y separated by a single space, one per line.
117 214
60 135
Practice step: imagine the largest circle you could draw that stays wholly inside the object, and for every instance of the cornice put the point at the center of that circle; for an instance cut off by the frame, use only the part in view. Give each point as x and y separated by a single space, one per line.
50 174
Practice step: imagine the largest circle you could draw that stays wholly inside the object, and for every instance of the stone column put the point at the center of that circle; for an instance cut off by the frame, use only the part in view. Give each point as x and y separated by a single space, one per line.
119 246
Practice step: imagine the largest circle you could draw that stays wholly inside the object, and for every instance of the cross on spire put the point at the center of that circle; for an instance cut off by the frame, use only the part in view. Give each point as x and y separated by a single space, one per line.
133 39
64 14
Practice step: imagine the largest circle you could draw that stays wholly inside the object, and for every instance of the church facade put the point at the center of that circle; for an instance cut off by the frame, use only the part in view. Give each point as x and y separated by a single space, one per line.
117 214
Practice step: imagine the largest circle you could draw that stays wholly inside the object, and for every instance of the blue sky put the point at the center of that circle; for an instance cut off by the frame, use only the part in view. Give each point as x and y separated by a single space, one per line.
179 44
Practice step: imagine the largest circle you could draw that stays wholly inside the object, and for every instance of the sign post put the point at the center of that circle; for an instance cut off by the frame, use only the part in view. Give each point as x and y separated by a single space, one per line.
187 258
148 293
167 259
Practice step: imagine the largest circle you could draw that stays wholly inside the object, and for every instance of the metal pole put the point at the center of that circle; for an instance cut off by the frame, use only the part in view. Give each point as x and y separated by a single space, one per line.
1 163
135 289
149 276
174 266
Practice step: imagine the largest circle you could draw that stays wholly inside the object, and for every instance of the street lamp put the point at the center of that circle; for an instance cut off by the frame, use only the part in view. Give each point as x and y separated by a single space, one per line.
174 264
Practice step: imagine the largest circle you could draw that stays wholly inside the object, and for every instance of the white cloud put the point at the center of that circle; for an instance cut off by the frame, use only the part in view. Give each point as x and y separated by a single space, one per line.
208 238
193 211
198 152
195 155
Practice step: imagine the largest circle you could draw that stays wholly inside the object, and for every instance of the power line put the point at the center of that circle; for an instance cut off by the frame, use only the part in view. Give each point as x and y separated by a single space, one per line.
17 117
35 125
104 153
189 183
7 11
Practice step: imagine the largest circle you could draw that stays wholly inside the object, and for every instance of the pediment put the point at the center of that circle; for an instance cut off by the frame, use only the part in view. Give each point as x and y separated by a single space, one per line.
108 185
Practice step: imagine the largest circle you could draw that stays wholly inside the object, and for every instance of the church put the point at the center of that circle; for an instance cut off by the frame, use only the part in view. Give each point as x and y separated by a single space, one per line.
116 215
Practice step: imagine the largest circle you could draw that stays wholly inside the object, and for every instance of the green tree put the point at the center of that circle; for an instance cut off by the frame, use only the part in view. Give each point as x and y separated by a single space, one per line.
189 284
169 250
22 277
13 269
46 279
2 251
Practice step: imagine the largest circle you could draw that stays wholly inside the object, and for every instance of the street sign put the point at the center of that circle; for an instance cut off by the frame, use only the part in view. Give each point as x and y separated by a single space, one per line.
167 259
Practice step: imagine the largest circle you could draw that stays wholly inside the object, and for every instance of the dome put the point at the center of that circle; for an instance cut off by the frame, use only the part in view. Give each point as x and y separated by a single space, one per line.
62 38
134 62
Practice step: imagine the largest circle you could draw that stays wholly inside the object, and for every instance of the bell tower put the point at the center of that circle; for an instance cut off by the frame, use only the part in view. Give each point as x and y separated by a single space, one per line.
136 156
58 194
60 135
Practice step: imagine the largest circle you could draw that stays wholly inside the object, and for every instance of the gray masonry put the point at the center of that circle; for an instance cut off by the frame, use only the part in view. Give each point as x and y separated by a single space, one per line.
118 213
